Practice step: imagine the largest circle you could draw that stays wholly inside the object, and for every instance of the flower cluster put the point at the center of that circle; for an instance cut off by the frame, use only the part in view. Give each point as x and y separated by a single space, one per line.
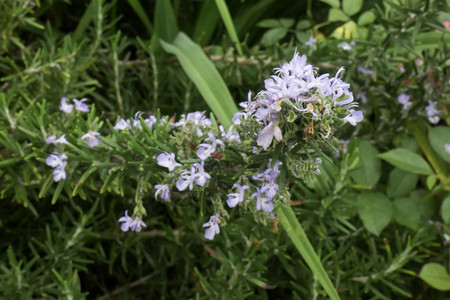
297 92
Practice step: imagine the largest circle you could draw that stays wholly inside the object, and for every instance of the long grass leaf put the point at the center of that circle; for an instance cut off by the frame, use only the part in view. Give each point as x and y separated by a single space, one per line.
206 22
295 232
204 75
226 18
139 10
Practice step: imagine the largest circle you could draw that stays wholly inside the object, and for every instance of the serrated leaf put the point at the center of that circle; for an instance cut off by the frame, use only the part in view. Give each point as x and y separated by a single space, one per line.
440 136
445 210
368 169
436 276
401 183
375 210
407 212
407 160
366 18
335 14
352 7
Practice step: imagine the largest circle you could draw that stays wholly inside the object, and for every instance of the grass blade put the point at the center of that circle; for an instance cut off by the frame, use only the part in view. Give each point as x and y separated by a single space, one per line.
204 75
139 10
226 17
295 232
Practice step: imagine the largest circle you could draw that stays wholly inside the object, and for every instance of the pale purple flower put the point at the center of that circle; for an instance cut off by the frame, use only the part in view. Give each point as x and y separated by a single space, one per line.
213 229
53 140
200 175
403 99
447 148
432 112
122 125
354 117
267 134
137 121
150 121
67 108
236 198
164 190
318 160
263 203
230 135
346 46
311 42
92 138
270 189
362 96
363 70
58 162
130 223
204 150
187 179
167 160
254 150
80 105
318 171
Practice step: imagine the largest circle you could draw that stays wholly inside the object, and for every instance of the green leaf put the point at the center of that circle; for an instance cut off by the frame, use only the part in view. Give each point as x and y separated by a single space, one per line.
139 10
286 23
440 136
401 183
335 14
229 25
375 210
269 23
445 210
407 212
407 160
206 22
303 24
298 237
436 276
352 7
205 76
273 35
166 25
366 18
332 3
368 169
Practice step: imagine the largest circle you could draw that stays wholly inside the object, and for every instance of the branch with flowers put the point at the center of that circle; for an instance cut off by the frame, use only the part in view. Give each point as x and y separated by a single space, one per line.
275 141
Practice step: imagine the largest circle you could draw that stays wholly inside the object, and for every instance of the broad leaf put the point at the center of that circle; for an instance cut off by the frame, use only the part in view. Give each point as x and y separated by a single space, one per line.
445 210
368 170
407 212
439 137
407 160
352 7
401 183
436 276
375 210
